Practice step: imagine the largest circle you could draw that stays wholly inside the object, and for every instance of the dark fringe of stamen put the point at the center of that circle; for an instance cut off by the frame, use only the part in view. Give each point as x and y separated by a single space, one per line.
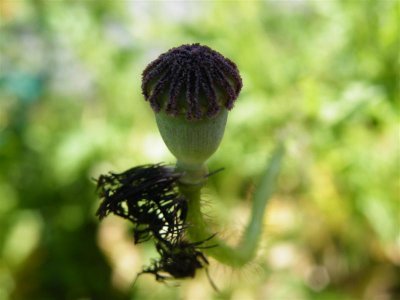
213 107
155 69
224 83
196 105
180 260
158 88
149 197
230 70
175 88
221 73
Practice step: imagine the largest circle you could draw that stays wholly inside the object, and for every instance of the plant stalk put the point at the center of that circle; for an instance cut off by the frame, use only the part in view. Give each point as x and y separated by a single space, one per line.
198 229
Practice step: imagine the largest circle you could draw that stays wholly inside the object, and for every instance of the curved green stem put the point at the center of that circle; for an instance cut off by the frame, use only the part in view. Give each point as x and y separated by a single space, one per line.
246 249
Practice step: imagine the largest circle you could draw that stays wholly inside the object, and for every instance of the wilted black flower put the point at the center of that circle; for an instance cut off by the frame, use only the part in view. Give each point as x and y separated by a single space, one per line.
147 196
179 259
193 80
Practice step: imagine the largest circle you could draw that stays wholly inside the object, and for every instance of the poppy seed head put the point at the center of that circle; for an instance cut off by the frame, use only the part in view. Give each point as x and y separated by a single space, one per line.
193 80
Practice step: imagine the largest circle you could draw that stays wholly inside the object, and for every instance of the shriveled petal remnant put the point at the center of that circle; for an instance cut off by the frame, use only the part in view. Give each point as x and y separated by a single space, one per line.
148 196
193 80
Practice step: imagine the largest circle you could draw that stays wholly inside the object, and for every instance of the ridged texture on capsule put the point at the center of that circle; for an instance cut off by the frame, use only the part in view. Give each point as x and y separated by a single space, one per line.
193 80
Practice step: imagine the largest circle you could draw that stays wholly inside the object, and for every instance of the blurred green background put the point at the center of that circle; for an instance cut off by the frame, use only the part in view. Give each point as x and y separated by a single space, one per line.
321 75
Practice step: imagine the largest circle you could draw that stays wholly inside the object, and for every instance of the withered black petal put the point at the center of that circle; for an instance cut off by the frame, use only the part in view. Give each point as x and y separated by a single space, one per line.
147 196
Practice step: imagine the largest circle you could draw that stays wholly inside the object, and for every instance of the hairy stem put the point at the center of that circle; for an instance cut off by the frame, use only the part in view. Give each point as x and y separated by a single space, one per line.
246 249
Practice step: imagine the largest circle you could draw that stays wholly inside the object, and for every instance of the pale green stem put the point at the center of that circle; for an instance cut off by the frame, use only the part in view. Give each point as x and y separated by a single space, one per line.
246 249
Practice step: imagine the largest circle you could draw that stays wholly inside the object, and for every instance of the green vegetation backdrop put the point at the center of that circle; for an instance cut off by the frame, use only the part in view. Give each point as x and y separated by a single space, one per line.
321 75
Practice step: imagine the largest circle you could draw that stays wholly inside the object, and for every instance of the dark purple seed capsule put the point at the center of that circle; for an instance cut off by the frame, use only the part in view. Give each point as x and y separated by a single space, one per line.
191 80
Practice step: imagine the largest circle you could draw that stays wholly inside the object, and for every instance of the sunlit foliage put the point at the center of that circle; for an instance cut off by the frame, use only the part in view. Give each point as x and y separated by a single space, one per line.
321 75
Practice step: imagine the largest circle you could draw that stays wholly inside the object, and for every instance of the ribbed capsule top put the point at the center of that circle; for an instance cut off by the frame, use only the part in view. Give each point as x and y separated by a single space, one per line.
193 80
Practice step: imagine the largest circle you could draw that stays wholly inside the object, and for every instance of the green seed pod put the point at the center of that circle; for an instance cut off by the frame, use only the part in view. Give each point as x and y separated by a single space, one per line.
192 142
190 89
